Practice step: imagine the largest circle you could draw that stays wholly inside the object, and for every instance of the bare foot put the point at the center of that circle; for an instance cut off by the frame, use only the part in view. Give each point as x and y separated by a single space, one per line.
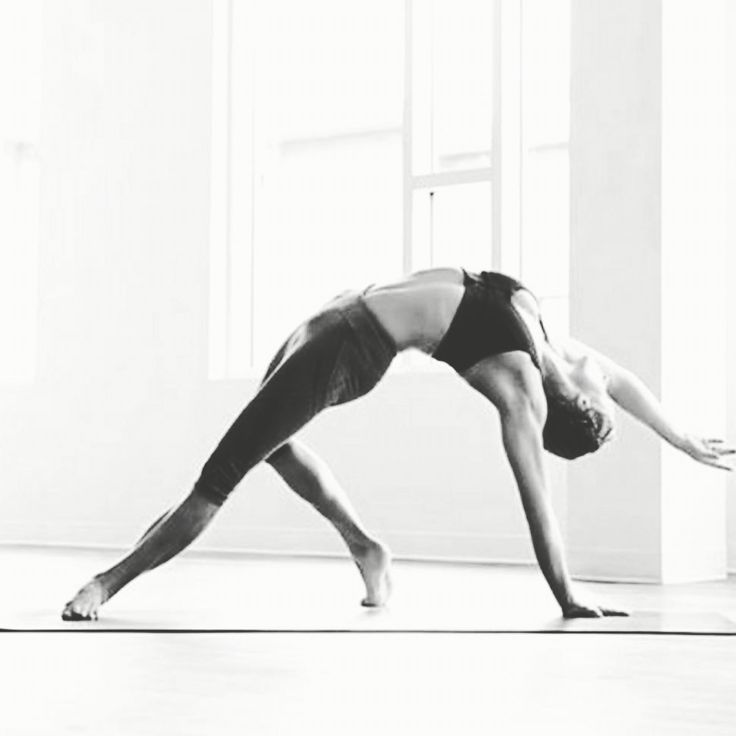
374 563
84 605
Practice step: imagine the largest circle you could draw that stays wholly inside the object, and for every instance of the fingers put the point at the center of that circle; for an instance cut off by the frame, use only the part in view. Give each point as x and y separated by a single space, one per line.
582 612
589 613
713 462
614 612
720 466
721 449
712 455
595 612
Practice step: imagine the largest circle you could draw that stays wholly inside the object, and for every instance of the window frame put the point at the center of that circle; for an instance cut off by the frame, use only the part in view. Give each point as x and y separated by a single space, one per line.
504 174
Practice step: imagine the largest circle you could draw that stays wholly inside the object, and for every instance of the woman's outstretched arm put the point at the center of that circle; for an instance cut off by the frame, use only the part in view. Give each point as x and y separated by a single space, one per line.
633 395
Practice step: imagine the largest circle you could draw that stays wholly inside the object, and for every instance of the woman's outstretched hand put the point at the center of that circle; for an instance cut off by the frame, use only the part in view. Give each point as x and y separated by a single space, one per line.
583 610
707 451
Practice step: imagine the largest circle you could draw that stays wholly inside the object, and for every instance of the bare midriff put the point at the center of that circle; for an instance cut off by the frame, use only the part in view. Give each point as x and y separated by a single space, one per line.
417 311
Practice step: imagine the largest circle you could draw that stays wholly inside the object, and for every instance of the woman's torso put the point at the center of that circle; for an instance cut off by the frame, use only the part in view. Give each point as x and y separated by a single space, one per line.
418 312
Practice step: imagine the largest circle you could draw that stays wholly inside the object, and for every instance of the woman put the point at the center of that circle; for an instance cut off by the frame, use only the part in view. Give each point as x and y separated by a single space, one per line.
487 326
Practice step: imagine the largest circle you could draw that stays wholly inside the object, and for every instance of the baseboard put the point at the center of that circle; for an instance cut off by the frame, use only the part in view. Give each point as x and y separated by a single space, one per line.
614 565
591 564
505 549
622 565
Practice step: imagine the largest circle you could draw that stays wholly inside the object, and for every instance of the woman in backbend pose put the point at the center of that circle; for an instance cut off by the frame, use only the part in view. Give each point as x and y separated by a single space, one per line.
487 326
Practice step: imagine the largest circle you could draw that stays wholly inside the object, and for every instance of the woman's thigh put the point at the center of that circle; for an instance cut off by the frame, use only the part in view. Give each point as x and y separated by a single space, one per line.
297 386
334 357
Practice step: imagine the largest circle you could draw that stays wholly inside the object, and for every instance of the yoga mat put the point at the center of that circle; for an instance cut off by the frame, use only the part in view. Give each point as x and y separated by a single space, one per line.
252 594
640 622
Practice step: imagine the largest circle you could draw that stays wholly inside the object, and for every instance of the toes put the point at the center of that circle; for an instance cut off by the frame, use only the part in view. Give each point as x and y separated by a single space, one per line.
70 614
373 601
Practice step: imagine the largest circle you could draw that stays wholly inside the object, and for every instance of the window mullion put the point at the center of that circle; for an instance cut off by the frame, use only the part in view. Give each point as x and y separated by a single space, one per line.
407 141
507 138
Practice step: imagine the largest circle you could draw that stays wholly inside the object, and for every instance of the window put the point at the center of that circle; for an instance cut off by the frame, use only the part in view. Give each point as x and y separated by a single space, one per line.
545 157
450 59
355 142
20 90
313 182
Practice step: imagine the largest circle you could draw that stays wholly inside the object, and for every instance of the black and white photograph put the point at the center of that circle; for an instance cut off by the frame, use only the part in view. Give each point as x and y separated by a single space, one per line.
394 341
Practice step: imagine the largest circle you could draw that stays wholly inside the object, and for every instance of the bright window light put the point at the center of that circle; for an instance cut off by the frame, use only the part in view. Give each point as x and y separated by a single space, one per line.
353 143
20 92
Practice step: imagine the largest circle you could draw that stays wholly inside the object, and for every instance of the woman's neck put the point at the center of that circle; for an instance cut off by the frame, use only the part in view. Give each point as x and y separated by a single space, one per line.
556 366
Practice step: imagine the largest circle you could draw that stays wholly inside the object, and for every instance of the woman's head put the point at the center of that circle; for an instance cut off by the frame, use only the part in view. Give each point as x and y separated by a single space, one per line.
574 426
579 410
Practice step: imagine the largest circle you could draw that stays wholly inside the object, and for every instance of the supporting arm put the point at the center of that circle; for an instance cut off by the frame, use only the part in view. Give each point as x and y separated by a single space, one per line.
514 386
522 442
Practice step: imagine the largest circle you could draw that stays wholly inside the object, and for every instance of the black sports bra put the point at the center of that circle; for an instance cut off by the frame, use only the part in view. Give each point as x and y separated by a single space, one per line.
486 323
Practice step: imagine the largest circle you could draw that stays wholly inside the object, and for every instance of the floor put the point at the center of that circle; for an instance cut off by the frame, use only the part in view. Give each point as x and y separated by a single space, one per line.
113 682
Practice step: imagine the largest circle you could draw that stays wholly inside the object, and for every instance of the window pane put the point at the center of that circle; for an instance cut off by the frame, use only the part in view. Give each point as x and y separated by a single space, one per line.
19 190
545 134
20 90
453 226
316 179
328 218
556 315
328 67
452 96
546 223
546 71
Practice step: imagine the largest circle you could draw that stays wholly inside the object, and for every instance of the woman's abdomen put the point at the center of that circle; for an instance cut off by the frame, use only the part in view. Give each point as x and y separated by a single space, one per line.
418 311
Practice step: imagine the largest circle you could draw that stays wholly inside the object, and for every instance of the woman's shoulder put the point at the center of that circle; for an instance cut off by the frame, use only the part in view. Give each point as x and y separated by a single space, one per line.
438 275
524 299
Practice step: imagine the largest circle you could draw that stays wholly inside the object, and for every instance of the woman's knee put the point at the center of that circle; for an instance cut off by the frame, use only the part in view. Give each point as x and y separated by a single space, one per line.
283 456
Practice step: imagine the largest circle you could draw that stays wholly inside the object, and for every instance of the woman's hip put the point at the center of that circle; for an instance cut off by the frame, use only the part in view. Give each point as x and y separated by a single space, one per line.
343 349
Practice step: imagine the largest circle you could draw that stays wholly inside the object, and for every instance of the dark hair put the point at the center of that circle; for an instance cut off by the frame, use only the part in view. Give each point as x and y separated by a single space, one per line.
572 429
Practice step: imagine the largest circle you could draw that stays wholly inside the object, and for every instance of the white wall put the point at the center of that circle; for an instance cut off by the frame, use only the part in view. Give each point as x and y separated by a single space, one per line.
694 321
731 262
647 284
122 415
615 234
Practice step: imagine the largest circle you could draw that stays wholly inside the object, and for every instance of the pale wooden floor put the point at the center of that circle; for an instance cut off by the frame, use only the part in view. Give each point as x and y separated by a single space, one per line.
329 684
358 683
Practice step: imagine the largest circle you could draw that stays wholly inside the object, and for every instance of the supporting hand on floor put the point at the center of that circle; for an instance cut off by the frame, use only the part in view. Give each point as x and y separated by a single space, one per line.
583 610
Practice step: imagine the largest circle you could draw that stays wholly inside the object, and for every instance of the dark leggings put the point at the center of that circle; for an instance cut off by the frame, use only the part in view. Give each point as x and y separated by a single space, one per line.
336 356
